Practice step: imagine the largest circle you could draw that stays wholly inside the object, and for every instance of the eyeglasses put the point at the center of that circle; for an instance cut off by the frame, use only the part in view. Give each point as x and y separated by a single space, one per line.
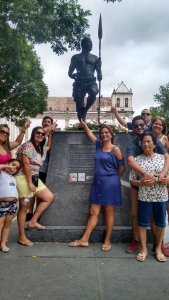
147 142
4 132
145 114
40 133
138 125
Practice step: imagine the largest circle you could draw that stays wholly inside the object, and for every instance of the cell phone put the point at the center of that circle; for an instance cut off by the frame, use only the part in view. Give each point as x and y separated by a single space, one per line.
35 179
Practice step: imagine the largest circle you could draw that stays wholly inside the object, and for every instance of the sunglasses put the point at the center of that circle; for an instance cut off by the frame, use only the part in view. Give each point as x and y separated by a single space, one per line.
4 132
145 114
138 125
40 133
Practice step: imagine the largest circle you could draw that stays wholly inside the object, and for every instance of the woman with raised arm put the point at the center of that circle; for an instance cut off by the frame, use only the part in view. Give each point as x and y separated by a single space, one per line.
32 155
106 188
5 145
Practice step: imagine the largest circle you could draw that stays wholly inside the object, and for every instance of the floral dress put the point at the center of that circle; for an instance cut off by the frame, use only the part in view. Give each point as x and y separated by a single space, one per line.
36 160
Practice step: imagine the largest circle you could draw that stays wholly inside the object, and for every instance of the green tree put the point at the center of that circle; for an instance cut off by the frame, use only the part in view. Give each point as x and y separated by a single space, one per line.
62 23
24 23
22 90
162 98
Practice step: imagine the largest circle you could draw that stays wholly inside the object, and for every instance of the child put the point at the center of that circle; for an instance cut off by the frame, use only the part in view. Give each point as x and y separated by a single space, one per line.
8 199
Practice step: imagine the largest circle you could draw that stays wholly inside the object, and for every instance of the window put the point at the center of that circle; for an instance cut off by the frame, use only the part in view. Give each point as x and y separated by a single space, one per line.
118 102
126 102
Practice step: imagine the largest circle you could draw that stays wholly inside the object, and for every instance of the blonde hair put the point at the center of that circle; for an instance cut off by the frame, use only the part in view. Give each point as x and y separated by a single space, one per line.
5 144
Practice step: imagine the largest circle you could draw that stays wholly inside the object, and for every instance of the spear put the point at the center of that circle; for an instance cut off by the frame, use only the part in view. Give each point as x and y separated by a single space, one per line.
100 33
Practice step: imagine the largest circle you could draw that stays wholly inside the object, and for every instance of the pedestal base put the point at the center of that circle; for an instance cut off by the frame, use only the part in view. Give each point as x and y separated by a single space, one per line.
66 234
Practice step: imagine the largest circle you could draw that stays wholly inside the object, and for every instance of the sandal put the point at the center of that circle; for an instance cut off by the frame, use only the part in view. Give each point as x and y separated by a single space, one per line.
160 257
35 226
106 247
141 257
77 243
26 243
4 249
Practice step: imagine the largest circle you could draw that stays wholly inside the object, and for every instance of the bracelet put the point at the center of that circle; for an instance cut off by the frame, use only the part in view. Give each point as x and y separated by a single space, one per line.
23 131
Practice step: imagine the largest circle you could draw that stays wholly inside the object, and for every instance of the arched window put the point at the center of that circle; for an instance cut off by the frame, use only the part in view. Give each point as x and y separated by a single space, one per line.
126 102
118 102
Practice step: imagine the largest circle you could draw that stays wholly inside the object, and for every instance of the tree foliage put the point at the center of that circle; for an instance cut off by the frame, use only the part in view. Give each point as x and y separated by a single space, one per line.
162 98
24 23
22 90
59 22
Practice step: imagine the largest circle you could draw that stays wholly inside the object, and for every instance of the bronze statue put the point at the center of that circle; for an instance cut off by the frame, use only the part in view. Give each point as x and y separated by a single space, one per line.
85 65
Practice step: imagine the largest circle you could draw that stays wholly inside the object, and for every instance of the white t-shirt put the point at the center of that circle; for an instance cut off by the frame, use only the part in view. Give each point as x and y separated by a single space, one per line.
7 186
155 164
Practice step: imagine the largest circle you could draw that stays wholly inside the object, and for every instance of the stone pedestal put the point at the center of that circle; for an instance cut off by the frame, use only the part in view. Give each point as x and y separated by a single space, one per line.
69 177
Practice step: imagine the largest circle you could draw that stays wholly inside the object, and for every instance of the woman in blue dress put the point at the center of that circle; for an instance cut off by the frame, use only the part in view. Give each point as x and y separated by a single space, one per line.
106 188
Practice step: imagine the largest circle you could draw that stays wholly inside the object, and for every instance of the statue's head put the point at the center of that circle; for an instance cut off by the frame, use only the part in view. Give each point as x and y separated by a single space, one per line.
86 44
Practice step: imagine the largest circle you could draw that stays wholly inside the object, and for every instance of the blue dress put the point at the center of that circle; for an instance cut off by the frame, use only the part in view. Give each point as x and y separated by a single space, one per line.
106 188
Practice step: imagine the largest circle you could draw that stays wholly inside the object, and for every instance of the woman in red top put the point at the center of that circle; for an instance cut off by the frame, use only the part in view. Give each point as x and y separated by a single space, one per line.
5 145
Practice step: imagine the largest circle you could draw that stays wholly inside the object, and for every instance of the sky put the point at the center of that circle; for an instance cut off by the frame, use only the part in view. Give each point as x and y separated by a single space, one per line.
135 47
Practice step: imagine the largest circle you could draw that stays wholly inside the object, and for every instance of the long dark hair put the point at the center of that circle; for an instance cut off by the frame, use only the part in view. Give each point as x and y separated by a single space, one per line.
38 148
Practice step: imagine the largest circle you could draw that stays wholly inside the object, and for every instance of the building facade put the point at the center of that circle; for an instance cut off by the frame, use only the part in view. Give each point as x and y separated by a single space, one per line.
63 111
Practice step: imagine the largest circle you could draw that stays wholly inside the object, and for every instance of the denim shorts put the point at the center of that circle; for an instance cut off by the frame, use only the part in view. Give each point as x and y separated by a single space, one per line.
147 209
8 208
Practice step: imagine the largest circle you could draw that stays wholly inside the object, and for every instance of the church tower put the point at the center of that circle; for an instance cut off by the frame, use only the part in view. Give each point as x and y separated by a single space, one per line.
122 99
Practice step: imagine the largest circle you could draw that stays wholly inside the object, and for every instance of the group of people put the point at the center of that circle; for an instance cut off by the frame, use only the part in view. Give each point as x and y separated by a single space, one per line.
147 157
29 168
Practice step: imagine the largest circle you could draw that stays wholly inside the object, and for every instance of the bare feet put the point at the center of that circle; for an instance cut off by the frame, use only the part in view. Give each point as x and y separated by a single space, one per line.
78 243
25 242
35 225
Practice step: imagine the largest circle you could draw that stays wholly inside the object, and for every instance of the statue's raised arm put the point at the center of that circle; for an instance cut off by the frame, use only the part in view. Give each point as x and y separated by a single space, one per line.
82 69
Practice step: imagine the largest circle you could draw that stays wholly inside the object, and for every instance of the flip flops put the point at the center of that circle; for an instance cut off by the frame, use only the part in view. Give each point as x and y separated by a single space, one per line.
141 257
28 243
106 248
4 249
35 226
160 257
77 243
